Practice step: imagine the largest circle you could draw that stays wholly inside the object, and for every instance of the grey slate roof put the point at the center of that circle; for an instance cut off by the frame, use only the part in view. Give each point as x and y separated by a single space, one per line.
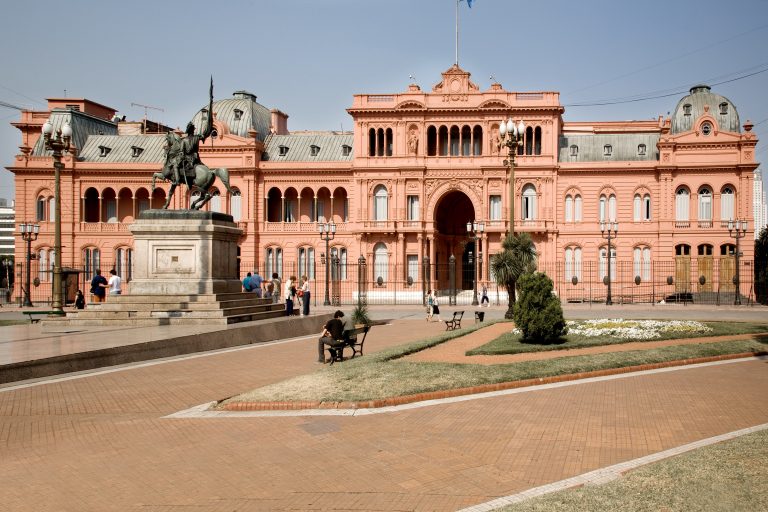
254 115
83 126
624 145
701 95
299 147
121 148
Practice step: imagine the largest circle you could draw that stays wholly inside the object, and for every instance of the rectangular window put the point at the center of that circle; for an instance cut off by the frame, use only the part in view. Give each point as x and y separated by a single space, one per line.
321 211
495 208
413 207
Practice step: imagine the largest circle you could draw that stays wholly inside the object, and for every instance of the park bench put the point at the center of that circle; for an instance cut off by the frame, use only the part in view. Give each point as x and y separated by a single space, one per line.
455 322
350 339
34 316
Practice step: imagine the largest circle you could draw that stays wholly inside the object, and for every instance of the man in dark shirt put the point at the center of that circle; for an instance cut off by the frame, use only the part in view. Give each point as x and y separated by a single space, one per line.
98 287
333 330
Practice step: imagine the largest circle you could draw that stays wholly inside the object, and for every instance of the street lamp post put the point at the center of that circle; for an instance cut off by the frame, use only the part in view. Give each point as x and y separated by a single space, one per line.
511 137
7 264
605 231
327 232
737 229
29 234
58 144
475 231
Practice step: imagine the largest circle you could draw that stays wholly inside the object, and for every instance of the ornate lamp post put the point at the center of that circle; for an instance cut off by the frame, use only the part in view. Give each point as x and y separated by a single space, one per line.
511 137
29 234
58 144
737 229
475 231
327 232
605 231
7 264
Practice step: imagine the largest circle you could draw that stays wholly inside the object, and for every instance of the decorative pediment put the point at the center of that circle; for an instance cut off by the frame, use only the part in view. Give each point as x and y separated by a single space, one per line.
410 105
455 81
494 105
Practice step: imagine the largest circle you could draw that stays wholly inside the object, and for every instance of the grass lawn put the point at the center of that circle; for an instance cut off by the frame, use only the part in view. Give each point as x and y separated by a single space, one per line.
723 477
512 344
383 374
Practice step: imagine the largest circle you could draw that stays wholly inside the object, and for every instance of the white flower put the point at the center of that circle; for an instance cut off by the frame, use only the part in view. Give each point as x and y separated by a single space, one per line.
633 329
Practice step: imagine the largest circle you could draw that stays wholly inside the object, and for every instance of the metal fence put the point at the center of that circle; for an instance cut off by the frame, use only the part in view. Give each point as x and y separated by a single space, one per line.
683 280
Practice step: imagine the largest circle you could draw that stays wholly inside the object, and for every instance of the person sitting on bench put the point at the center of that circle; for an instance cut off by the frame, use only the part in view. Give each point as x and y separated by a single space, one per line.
332 332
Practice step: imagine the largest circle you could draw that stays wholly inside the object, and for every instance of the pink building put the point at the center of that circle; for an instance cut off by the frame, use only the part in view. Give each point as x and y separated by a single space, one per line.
403 184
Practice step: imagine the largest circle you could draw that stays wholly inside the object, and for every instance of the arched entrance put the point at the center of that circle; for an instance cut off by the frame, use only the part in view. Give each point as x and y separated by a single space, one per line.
452 213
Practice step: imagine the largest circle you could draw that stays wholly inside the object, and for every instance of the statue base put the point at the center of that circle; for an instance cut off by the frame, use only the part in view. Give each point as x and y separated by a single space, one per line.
184 252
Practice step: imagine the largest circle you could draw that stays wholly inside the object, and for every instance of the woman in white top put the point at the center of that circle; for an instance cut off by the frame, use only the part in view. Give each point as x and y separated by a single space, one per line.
305 294
114 283
290 295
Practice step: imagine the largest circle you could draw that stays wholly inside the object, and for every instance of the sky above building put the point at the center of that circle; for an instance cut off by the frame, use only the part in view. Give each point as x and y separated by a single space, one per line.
609 60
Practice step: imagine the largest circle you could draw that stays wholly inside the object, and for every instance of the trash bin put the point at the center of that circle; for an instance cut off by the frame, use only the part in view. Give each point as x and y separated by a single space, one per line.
479 316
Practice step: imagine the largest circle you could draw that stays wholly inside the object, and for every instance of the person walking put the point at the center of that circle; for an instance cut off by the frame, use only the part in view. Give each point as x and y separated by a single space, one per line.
256 283
484 298
435 306
429 305
114 283
305 295
275 285
98 287
290 295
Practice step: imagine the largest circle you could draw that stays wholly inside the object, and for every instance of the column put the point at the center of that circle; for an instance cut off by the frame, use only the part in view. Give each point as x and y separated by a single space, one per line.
282 208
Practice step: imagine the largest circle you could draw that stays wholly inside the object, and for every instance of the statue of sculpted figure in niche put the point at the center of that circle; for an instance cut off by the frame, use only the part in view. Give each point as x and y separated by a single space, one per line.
413 142
183 164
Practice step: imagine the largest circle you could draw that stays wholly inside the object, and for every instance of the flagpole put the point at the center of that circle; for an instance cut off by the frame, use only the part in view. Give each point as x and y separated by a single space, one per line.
457 32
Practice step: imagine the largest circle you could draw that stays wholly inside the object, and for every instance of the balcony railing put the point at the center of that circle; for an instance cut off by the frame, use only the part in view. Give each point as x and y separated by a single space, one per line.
296 227
103 227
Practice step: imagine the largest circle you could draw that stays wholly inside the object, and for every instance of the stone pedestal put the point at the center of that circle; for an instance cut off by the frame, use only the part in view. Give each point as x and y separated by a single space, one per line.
184 252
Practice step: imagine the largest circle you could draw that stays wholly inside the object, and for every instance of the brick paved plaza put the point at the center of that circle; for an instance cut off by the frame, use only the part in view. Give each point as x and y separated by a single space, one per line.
101 441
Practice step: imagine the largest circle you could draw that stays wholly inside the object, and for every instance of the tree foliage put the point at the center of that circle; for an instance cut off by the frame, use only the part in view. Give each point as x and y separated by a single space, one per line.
517 257
538 313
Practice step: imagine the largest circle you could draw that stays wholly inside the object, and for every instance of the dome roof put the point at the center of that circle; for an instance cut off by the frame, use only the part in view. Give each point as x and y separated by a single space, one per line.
240 113
691 107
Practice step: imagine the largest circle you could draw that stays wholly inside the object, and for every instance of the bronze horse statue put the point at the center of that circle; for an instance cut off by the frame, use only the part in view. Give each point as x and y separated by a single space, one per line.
202 180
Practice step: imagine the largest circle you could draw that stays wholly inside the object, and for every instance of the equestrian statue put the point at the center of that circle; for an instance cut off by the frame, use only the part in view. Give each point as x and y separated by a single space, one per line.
183 164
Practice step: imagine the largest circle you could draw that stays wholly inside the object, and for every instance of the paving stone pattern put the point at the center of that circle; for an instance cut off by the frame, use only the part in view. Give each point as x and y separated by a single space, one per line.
101 443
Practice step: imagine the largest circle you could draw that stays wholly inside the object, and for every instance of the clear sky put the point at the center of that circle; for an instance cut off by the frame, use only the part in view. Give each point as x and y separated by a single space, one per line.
308 57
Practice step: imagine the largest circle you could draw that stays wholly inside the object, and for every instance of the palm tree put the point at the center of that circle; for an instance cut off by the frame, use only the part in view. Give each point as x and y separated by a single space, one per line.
517 257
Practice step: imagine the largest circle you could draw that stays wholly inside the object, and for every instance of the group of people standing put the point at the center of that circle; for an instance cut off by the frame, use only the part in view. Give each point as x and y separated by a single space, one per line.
297 295
99 287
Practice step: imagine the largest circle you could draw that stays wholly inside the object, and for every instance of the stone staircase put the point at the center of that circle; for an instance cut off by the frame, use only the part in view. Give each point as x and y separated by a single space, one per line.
152 310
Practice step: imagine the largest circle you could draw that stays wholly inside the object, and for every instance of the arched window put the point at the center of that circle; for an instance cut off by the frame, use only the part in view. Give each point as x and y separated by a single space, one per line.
215 201
682 250
371 142
529 141
537 141
647 207
236 205
466 141
604 262
41 209
641 263
569 208
577 208
705 204
431 141
389 142
307 262
380 142
682 204
442 141
454 141
607 208
91 261
727 203
637 208
343 262
124 263
477 140
572 263
380 262
380 198
529 202
273 261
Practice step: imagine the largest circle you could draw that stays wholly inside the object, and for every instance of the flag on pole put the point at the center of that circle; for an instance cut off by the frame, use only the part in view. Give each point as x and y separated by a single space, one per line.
469 3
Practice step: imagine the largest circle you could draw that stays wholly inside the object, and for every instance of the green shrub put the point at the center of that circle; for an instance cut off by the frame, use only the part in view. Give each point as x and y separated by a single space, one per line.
538 314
